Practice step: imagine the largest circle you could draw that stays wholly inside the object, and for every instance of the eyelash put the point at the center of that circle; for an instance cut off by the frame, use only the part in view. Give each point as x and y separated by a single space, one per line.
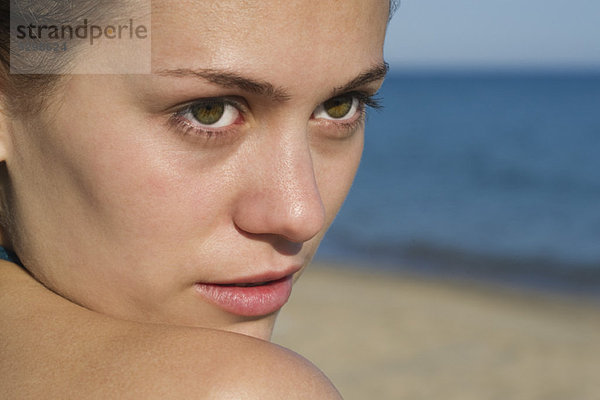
365 101
184 126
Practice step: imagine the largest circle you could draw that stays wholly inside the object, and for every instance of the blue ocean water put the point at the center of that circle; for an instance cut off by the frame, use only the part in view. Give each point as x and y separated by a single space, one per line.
494 175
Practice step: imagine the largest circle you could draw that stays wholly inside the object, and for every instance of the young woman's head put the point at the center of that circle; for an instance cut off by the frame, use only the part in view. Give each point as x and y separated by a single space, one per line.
172 197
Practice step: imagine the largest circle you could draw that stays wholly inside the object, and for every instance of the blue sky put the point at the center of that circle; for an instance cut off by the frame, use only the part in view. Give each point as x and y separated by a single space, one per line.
546 34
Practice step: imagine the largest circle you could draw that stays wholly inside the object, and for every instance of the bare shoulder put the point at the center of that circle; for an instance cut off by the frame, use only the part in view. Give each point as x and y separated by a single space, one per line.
206 364
51 348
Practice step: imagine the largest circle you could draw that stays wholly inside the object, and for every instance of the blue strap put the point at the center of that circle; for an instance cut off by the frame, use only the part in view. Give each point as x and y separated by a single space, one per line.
9 256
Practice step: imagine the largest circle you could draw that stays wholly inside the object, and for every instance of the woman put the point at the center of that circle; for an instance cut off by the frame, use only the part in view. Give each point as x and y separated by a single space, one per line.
159 216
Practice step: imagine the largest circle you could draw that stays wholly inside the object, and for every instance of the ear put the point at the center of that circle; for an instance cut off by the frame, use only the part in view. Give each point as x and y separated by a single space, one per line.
4 146
4 128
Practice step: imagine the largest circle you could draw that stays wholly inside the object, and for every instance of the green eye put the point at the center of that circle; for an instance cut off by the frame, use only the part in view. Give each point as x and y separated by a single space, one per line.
339 107
208 113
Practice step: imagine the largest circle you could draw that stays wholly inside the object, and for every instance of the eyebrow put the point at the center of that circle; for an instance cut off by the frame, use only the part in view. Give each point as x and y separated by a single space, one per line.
373 74
229 79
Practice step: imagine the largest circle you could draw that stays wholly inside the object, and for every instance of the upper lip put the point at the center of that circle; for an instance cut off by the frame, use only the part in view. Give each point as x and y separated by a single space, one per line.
266 276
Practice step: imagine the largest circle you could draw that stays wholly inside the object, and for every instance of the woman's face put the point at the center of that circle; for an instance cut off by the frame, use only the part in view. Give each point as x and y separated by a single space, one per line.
196 194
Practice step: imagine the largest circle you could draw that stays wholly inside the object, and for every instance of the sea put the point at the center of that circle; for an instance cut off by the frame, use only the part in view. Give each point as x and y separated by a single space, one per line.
479 175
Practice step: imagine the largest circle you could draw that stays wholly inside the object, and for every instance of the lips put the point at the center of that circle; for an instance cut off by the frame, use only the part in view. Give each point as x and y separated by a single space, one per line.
249 299
248 284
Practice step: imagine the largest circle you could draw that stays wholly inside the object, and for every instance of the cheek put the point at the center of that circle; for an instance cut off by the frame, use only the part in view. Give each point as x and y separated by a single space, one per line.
154 194
123 185
335 170
135 177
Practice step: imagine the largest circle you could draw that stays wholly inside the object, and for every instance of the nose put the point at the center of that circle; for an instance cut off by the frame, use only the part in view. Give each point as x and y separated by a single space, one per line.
282 197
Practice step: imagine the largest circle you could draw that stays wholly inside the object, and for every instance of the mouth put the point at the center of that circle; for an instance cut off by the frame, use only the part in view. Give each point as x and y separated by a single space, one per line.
248 299
245 284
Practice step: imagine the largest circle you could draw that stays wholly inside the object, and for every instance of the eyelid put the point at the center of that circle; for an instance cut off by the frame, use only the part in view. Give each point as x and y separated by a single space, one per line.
345 128
369 100
180 123
236 102
364 100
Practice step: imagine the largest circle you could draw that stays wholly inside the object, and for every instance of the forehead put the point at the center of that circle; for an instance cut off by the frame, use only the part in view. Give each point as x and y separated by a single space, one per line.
306 38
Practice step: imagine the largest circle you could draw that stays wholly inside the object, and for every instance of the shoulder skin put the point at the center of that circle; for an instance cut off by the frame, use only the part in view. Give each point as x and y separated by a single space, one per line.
52 348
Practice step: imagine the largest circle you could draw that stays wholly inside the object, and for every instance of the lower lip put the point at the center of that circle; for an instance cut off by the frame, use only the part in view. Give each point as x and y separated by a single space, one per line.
248 301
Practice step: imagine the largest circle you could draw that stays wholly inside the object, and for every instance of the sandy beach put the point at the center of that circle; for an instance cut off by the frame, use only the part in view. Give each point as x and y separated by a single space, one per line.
383 336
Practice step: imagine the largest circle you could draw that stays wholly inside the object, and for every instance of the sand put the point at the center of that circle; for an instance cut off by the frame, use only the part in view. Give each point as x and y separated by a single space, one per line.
381 336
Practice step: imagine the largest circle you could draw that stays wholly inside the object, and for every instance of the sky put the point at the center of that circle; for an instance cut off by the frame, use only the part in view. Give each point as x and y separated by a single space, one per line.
495 34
